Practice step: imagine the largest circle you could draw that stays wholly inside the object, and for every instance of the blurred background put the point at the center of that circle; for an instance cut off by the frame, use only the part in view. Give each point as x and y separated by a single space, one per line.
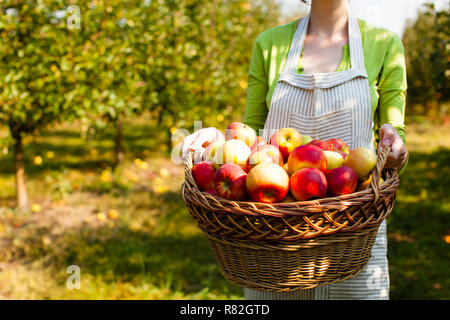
92 93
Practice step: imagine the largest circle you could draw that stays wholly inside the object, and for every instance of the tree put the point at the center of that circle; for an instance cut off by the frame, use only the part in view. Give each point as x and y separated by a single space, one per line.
427 48
37 85
202 55
112 61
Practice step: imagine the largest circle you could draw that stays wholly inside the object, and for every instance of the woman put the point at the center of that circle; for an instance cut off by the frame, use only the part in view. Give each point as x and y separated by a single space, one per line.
329 75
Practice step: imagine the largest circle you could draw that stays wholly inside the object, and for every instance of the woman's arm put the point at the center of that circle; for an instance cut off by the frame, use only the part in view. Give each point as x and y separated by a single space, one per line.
256 109
392 100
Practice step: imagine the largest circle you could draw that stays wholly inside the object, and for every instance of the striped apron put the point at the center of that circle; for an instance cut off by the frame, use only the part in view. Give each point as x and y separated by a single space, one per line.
325 106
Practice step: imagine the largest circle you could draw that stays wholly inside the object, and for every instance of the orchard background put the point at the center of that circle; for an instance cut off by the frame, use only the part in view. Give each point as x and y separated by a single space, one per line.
86 120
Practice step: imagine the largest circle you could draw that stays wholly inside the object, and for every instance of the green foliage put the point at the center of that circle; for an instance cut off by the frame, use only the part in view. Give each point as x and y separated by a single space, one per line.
427 48
37 85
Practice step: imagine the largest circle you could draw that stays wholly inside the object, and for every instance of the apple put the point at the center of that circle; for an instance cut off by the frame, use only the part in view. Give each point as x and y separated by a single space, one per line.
334 159
306 139
203 173
366 183
341 180
211 191
338 145
286 140
229 182
306 156
321 144
259 142
211 149
240 131
267 153
288 199
308 183
342 153
233 151
362 161
267 182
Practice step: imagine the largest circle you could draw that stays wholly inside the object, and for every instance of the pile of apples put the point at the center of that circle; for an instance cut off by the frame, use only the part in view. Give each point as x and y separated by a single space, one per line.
290 167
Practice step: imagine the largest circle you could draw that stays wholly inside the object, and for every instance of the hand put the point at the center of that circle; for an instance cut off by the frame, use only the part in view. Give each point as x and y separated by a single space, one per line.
198 141
398 155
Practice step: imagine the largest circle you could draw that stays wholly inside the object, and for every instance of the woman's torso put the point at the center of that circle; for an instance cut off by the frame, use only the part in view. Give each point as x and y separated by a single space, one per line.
376 42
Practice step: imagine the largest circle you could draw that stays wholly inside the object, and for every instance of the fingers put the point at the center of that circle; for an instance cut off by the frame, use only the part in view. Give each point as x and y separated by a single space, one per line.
199 140
390 137
205 137
187 142
198 155
387 135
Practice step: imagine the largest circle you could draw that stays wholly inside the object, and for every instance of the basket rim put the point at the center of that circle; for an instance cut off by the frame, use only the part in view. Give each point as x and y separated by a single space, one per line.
371 195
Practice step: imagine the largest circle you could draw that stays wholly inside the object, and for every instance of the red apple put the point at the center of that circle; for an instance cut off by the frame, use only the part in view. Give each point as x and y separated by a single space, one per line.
321 144
341 180
306 156
267 182
338 145
211 191
267 153
259 142
238 130
308 183
229 182
286 140
203 173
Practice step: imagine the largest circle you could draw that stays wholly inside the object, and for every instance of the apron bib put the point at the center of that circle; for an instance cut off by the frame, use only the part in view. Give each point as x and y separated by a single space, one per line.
325 106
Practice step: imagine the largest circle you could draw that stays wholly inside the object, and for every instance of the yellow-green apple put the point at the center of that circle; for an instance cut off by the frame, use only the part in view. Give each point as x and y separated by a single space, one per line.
334 159
362 161
286 140
308 183
266 153
366 183
240 131
203 173
267 182
341 180
306 139
211 150
342 153
338 145
321 144
306 156
233 151
229 182
259 142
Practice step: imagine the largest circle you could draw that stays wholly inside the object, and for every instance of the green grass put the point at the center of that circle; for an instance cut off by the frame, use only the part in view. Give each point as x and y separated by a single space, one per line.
153 249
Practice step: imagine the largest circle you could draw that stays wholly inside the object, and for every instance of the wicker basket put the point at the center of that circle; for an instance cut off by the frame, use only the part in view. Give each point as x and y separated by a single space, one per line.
291 246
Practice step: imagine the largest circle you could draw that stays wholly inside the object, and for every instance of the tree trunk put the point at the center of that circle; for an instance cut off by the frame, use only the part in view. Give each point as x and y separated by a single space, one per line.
19 165
119 141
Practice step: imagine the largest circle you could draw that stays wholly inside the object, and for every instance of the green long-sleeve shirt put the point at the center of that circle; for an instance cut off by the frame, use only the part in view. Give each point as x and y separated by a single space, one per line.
384 61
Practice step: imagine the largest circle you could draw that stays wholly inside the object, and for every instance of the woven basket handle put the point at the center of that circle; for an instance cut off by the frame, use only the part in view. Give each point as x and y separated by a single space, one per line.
381 162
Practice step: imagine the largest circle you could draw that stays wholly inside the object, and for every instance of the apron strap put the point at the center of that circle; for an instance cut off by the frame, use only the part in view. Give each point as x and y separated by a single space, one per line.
354 38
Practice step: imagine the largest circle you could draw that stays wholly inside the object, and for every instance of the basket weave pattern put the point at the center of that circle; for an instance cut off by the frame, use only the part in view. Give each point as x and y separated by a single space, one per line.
291 246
